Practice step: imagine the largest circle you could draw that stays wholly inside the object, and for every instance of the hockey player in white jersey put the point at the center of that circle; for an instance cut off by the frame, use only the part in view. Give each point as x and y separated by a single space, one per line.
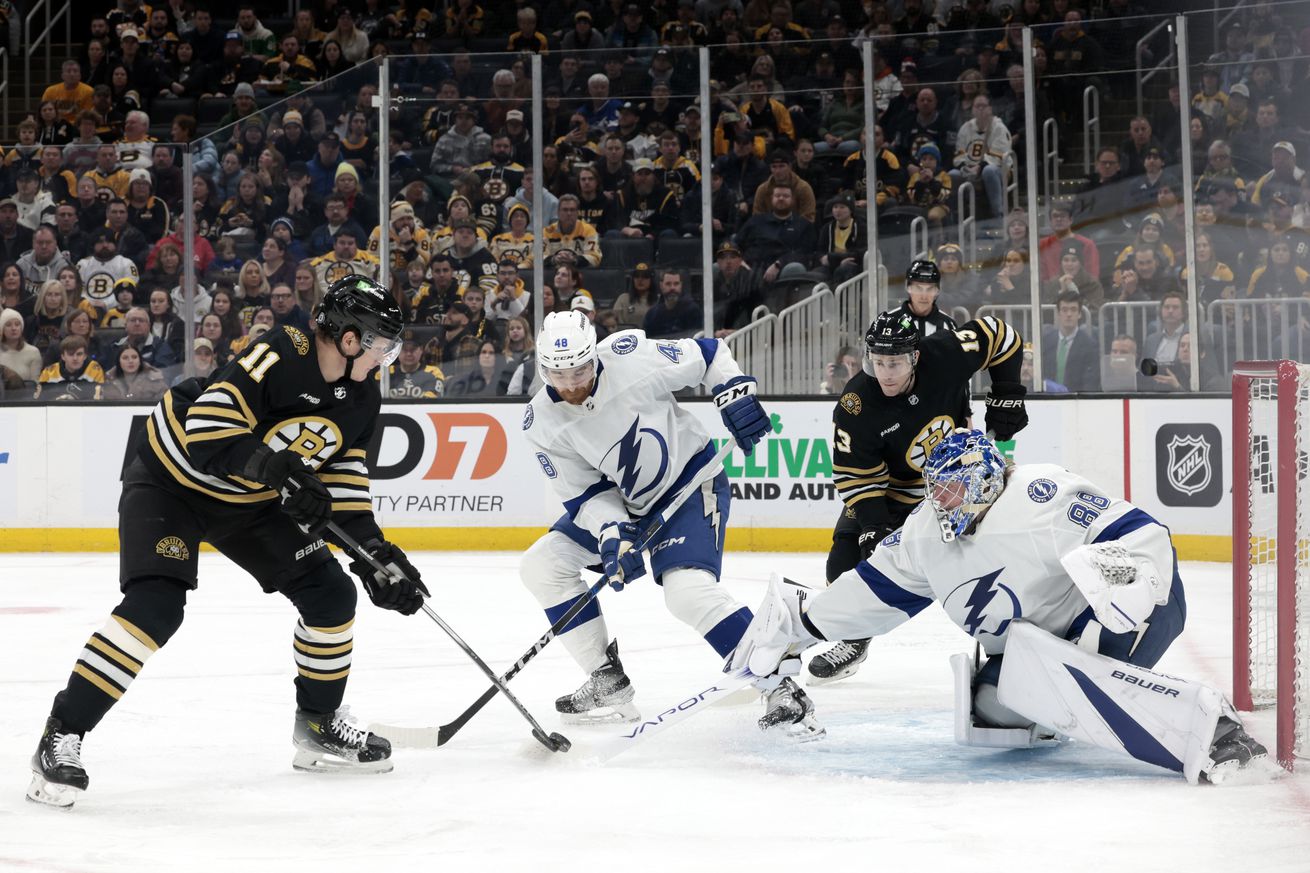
1074 596
617 447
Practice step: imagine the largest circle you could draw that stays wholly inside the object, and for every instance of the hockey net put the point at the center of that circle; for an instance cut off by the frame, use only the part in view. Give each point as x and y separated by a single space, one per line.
1271 547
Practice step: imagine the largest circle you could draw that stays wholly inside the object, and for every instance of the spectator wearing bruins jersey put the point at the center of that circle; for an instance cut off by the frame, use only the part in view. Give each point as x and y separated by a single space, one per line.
344 260
72 377
500 175
257 460
514 244
672 170
146 212
645 207
890 173
433 298
527 38
569 240
911 394
136 147
110 180
459 208
930 188
410 379
468 254
290 65
104 268
409 242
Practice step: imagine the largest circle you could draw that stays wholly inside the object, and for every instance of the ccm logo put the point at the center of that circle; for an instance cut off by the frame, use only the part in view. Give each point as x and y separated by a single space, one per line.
669 542
734 394
1144 683
310 549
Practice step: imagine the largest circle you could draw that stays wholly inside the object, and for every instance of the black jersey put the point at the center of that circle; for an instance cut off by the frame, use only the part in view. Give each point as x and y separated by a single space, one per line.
204 432
880 443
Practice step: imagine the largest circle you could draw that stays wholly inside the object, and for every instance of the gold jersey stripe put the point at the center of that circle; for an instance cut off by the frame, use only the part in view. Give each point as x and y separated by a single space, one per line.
323 650
343 479
859 471
142 636
97 681
217 412
323 677
105 649
851 501
226 433
240 399
341 628
846 484
355 453
351 506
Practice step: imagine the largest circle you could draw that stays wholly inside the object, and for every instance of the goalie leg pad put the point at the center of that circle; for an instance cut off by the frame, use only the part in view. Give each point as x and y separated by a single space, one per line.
980 720
551 571
1155 718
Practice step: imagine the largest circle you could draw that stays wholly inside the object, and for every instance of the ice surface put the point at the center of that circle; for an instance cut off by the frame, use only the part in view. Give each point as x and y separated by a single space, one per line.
191 771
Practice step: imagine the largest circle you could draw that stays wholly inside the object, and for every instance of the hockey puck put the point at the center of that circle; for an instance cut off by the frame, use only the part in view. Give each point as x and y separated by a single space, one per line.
561 742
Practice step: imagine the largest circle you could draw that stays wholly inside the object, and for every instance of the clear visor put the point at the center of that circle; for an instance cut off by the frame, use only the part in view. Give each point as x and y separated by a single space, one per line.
381 350
573 378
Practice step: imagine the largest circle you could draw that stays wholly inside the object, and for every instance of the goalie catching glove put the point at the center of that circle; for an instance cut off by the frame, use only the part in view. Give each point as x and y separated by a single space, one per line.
1006 414
619 553
1121 588
742 414
400 588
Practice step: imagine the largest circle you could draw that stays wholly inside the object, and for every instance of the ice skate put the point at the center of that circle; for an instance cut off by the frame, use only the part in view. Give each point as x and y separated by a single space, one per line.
840 661
333 742
606 696
1232 751
58 777
789 709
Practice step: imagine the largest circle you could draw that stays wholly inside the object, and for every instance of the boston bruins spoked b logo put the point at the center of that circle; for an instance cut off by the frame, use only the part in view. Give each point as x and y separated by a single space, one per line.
316 439
927 439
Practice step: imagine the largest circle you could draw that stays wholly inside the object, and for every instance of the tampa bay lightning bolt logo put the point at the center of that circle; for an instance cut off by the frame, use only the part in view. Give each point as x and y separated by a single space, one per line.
528 416
1041 490
984 606
638 450
624 345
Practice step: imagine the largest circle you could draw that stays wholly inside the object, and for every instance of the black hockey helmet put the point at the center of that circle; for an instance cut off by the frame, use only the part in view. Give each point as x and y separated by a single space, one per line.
892 333
923 270
360 304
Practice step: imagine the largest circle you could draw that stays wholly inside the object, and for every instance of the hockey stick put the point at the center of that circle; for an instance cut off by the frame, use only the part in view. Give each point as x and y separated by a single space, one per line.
555 742
427 738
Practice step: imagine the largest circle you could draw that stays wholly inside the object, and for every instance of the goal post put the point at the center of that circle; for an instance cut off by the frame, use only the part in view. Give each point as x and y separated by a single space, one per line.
1271 547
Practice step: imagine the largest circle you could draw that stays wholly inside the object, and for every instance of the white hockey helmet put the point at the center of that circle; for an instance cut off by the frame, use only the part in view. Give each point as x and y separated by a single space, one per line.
566 350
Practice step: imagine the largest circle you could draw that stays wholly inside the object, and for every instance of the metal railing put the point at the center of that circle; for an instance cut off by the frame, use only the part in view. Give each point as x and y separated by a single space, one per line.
753 349
1010 163
4 90
968 221
1130 318
1144 75
1258 329
32 44
1050 156
1091 127
919 247
807 334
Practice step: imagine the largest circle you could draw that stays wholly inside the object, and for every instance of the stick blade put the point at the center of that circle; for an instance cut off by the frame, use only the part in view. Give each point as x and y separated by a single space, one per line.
409 737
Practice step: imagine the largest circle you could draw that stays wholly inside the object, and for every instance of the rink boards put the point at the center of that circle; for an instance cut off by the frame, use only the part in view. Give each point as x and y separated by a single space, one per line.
461 476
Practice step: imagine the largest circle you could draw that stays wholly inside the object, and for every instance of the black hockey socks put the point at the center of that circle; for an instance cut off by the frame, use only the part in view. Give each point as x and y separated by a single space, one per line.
150 613
324 637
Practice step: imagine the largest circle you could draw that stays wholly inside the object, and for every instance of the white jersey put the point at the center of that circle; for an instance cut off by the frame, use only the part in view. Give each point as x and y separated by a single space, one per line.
1006 569
629 444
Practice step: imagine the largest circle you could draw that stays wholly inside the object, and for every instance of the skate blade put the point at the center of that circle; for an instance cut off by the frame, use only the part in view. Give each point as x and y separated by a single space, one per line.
48 793
310 761
1258 770
624 713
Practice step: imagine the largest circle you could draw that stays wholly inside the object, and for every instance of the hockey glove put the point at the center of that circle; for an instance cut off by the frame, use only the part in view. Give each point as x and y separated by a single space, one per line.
1006 415
618 553
742 414
304 497
870 537
400 588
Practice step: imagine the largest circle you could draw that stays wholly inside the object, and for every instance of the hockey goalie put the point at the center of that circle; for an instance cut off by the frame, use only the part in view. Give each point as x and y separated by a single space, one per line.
1073 595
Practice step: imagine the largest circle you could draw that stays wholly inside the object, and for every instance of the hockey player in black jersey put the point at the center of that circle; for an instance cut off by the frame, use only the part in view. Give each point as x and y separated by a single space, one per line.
912 394
255 460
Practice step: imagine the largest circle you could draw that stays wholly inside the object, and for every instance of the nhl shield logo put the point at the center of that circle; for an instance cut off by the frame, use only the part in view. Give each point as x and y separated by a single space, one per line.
1189 463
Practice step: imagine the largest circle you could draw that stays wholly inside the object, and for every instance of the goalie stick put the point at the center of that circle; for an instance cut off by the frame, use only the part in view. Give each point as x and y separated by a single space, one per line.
434 737
555 742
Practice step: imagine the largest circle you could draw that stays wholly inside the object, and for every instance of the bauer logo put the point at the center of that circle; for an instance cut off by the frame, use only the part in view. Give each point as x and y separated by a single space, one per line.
1188 465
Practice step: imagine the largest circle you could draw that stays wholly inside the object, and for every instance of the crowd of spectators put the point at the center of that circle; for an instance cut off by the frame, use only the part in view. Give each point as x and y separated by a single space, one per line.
285 146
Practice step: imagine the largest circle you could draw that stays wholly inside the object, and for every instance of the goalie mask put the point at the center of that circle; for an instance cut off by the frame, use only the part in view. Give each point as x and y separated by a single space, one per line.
965 474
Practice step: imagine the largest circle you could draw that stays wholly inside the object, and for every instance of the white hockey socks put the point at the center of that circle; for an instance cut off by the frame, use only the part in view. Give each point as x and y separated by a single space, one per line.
1155 718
